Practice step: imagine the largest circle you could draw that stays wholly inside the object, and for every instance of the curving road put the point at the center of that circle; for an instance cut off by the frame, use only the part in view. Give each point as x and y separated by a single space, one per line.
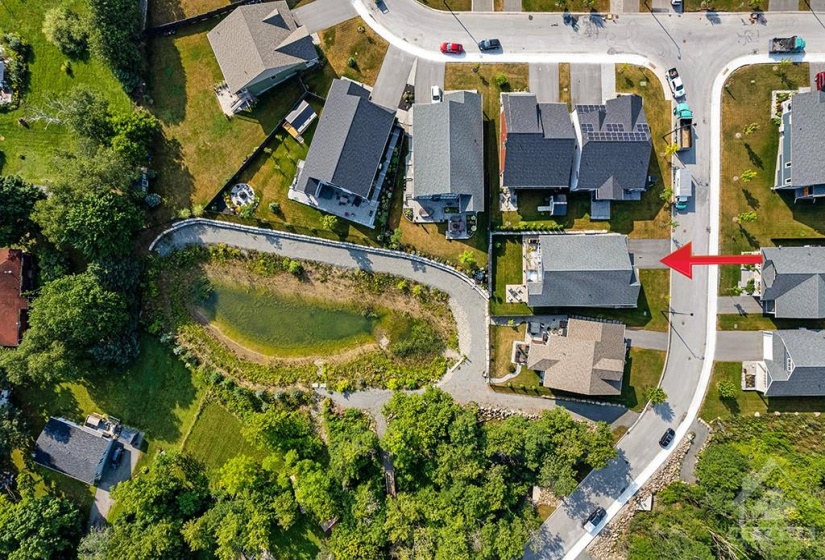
466 382
706 48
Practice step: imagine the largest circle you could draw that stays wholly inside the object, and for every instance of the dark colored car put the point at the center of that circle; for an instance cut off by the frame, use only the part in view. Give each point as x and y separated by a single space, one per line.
452 48
820 81
595 518
489 44
667 437
117 456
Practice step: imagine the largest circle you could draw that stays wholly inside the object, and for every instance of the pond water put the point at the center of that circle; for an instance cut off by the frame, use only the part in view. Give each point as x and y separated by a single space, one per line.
270 323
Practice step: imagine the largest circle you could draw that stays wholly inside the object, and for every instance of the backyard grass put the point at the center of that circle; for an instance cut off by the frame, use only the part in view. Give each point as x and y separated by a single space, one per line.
747 403
643 369
746 99
507 269
28 151
216 437
201 147
449 5
602 6
648 218
501 340
345 41
165 11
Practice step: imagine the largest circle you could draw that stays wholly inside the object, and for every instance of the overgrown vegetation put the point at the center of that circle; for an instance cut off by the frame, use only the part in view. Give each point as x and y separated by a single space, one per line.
116 38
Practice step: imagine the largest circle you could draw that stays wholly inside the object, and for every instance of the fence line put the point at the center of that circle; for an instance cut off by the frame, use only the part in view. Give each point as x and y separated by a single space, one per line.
171 27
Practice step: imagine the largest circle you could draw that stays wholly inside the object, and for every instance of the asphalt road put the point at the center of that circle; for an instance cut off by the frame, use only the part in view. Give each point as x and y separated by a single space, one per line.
544 82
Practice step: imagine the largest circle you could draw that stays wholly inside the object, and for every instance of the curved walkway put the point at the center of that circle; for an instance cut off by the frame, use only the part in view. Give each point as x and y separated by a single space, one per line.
466 382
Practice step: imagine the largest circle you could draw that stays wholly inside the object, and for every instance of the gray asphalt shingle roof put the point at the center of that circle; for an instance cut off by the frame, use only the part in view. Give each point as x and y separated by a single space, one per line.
349 142
540 142
615 147
256 38
73 450
806 349
448 143
794 279
807 132
584 271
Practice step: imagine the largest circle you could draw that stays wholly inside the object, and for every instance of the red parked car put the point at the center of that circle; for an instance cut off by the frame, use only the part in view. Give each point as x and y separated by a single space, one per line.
451 48
820 81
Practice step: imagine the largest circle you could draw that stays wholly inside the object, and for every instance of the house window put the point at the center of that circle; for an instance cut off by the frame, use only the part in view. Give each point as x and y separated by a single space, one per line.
788 181
788 363
788 164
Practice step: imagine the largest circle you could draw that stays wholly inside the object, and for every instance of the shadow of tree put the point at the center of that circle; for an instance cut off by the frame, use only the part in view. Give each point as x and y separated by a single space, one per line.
752 201
754 157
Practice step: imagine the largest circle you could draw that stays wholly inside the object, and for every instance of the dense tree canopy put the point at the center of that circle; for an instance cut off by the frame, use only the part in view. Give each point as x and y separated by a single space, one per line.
18 199
115 27
64 29
44 528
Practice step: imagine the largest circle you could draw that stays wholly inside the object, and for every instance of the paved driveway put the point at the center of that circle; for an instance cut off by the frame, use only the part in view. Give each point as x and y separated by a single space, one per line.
512 5
738 346
111 478
783 5
389 85
544 82
427 74
321 14
739 305
648 252
586 84
482 5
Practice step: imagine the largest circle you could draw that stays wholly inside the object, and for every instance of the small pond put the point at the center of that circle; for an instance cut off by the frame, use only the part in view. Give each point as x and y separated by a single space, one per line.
275 324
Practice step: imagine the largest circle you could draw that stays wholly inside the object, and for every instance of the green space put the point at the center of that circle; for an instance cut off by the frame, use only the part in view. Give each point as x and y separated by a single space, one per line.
216 437
277 324
164 11
28 151
501 342
352 50
758 495
598 6
449 5
746 101
751 322
643 369
507 269
712 6
748 403
201 147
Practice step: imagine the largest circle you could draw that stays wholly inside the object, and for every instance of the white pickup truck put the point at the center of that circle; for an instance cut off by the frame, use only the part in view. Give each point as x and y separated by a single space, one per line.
675 83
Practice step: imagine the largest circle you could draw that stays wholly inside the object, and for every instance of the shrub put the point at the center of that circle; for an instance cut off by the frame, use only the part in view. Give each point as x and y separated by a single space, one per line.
152 200
295 268
501 80
275 207
727 390
422 340
65 30
351 62
115 34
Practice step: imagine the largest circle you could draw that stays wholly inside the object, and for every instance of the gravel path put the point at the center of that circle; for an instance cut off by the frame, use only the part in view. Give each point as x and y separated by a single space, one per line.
466 383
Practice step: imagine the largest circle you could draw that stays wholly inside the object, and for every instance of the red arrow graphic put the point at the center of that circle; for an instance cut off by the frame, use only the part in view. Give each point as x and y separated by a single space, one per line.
682 260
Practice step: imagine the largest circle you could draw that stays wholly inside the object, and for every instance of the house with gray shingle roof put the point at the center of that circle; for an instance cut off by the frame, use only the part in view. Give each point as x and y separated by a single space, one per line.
793 282
800 166
537 143
587 358
793 365
349 156
258 46
76 451
614 153
580 270
446 163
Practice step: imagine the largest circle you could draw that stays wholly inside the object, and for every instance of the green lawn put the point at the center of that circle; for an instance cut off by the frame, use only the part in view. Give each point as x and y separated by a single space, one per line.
507 269
28 152
746 403
501 340
346 41
746 99
216 437
201 147
602 6
449 5
164 11
722 5
642 369
751 322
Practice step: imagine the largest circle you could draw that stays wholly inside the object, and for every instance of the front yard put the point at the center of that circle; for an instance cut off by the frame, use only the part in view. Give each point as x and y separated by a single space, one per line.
501 340
752 322
449 5
165 11
201 148
643 369
577 6
353 50
746 100
748 403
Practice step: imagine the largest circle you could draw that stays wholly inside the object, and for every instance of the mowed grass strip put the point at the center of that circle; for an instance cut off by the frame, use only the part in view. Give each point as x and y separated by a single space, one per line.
502 339
449 5
507 269
28 151
201 147
602 6
748 403
752 322
216 437
746 99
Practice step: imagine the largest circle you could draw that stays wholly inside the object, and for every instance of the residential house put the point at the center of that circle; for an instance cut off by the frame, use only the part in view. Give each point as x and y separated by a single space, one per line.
80 452
793 282
588 358
349 155
800 166
614 153
793 365
579 270
16 278
537 143
446 163
257 47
